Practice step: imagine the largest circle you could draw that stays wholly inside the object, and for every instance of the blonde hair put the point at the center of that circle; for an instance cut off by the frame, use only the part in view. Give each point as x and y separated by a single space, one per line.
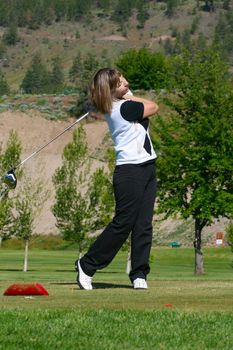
103 86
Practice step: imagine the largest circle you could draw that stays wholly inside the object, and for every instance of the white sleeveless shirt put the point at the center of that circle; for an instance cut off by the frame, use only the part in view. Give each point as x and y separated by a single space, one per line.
129 131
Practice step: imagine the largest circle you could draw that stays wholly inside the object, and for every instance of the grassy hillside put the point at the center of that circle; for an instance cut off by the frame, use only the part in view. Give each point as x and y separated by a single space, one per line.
103 37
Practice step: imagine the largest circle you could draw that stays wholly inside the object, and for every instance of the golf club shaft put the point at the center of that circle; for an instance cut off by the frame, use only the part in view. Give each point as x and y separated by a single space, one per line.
48 143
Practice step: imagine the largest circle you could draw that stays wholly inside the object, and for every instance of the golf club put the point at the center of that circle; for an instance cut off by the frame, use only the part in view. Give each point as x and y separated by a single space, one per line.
10 178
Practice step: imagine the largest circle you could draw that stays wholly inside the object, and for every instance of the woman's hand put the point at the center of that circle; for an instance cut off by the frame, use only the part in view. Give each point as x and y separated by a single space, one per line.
127 95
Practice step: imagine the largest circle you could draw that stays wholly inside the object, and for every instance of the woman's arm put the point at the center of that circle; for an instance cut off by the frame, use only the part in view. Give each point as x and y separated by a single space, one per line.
150 107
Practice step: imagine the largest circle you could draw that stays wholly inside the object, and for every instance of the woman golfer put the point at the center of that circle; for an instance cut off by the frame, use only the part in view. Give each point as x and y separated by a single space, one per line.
134 179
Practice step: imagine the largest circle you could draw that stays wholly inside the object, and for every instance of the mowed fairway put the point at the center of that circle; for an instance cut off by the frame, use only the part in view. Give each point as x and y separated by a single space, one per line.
178 311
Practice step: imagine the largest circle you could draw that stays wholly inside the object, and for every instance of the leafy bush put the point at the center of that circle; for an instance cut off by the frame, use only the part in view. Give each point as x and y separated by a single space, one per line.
144 69
42 102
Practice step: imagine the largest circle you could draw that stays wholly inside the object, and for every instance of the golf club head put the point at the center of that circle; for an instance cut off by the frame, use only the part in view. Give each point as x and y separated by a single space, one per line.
10 179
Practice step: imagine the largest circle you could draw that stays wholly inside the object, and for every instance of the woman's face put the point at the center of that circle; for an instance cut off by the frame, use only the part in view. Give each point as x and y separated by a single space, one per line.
122 87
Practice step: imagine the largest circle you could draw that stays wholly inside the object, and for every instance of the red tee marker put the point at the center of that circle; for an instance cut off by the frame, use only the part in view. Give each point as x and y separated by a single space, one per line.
26 289
168 305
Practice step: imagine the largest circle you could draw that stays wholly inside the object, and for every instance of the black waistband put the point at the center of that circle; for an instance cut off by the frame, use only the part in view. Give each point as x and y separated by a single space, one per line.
148 162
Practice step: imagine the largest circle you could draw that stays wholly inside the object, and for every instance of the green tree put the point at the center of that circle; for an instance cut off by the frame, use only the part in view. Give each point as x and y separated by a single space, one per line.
122 11
76 68
57 76
4 13
195 164
171 7
9 157
23 226
79 9
4 87
90 65
6 218
186 40
100 192
36 79
224 34
144 69
227 4
10 36
71 206
27 206
194 25
142 14
81 71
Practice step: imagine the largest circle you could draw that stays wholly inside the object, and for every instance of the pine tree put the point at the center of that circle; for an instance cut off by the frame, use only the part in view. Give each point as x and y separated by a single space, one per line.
57 76
76 68
37 78
11 37
171 7
142 14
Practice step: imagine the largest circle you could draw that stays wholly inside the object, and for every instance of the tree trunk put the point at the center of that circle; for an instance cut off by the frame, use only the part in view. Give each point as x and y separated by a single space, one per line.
128 264
25 266
199 264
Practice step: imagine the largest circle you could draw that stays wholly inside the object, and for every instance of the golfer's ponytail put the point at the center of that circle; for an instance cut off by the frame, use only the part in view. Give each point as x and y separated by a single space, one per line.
103 86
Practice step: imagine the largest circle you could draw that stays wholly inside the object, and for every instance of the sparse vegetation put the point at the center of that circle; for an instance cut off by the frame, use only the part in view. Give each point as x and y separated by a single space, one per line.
4 87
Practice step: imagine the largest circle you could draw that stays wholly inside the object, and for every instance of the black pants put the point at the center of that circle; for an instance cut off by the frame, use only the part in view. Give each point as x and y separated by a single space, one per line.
134 190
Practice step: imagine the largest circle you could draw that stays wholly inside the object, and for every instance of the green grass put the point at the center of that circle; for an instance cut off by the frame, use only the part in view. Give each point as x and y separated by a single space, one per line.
178 311
108 330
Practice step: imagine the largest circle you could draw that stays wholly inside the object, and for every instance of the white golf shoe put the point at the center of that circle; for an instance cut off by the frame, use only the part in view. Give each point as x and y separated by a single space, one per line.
140 283
83 280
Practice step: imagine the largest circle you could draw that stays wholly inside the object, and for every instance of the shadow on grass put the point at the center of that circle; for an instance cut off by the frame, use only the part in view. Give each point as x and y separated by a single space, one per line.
100 285
96 285
69 270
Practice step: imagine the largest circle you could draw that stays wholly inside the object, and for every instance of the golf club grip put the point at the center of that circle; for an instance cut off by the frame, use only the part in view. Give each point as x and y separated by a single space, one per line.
47 143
